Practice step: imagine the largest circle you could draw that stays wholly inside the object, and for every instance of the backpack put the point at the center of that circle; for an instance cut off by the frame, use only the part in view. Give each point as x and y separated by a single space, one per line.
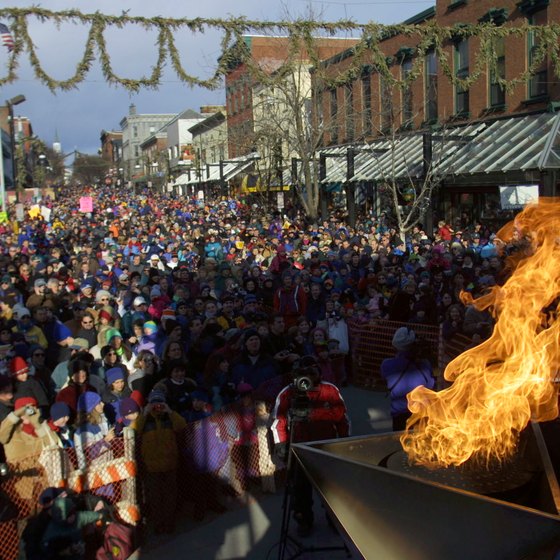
118 542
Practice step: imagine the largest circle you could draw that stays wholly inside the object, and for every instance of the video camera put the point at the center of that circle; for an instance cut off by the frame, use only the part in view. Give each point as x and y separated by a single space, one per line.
306 371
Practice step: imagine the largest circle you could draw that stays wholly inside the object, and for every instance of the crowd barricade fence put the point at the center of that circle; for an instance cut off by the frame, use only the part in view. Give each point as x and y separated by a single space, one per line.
371 343
227 453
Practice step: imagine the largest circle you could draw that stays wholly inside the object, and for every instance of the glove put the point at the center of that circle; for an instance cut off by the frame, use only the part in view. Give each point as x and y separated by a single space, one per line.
281 451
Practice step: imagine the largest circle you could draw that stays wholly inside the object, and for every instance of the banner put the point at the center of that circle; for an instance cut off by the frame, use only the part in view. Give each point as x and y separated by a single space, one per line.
517 196
86 204
46 213
35 211
20 212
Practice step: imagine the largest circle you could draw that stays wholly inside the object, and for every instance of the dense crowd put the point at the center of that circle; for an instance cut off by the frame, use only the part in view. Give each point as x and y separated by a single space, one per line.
156 304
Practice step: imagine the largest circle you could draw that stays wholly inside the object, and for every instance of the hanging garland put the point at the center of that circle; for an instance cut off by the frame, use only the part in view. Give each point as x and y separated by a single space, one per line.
303 36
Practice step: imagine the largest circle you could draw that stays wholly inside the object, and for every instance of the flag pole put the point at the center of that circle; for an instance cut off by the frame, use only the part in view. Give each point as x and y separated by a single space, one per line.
2 180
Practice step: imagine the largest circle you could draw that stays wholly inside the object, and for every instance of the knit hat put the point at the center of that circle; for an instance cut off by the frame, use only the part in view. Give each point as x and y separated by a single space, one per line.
156 396
244 388
150 326
86 284
59 410
250 298
5 383
18 366
103 314
23 402
249 333
155 292
114 374
102 294
88 401
112 333
404 338
20 311
138 398
79 344
167 314
128 406
200 395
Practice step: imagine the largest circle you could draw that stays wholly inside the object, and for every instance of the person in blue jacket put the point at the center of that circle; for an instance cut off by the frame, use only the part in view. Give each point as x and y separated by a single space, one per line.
403 373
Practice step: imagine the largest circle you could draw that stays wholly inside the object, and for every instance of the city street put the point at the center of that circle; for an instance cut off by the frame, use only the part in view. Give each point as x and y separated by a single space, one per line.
252 531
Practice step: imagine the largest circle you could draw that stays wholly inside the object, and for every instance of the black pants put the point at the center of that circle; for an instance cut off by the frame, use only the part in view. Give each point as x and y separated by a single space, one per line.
302 496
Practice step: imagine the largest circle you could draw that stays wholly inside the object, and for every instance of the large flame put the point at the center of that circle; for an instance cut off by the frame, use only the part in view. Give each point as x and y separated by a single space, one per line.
500 385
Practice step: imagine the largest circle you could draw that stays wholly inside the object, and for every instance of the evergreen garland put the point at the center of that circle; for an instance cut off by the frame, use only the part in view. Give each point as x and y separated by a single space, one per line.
303 36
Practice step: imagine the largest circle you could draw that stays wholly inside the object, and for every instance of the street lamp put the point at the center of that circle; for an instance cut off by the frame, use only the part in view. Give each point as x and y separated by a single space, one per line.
11 103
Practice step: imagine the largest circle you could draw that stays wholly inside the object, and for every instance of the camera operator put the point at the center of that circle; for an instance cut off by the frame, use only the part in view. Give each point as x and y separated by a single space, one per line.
403 373
313 410
22 433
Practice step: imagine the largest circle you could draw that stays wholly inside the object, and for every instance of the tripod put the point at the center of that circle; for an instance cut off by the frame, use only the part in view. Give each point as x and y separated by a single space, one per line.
287 542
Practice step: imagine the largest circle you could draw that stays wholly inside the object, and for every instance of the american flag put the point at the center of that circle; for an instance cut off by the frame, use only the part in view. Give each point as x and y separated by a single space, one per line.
6 36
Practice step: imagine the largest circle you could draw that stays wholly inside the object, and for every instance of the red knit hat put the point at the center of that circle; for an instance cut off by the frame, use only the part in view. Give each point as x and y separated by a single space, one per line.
105 315
18 366
24 401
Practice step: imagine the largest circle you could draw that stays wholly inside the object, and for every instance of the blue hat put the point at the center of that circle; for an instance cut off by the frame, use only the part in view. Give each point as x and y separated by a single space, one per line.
88 401
156 396
86 284
59 410
114 374
200 395
250 298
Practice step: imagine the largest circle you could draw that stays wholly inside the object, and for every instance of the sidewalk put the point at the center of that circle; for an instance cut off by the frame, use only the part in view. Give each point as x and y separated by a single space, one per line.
251 530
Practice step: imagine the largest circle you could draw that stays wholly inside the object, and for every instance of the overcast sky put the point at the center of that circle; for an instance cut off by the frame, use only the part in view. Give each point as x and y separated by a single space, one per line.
77 117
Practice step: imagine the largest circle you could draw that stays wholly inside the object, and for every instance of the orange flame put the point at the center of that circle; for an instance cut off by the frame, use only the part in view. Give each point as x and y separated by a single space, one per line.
501 384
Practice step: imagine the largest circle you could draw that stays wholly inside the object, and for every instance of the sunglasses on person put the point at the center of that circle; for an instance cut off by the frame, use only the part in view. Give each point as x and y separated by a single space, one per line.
87 322
39 354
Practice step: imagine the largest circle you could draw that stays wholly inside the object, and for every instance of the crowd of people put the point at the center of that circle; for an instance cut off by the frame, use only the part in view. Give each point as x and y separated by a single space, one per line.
154 311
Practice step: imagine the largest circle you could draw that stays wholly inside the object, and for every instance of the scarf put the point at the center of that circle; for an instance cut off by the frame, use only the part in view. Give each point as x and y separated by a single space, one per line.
29 429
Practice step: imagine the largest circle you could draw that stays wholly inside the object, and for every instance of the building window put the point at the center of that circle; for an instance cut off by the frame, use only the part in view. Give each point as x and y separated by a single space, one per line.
349 106
386 104
135 131
461 72
431 87
497 92
334 116
407 101
538 82
366 106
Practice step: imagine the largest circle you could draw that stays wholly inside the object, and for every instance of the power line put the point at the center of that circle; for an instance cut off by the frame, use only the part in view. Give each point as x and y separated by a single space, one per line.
368 3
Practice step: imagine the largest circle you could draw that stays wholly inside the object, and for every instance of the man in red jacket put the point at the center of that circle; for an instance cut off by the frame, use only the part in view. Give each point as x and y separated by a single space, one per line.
313 410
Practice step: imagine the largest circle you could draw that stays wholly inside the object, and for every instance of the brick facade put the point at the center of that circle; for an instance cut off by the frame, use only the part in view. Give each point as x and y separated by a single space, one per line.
446 13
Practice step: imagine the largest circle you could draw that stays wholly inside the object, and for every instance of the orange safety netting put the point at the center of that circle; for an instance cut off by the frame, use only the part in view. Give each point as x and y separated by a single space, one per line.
371 343
226 453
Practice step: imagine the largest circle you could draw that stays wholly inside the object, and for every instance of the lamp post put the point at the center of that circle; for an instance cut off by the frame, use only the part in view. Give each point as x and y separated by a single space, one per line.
11 103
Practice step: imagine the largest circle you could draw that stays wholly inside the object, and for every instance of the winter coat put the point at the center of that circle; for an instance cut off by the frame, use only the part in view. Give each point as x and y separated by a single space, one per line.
404 373
158 436
327 417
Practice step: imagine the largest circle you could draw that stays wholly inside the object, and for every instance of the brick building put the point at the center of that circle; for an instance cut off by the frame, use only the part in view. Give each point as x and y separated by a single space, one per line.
510 138
269 53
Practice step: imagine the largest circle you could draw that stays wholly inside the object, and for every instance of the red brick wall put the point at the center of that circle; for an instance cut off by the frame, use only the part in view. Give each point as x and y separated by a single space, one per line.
470 12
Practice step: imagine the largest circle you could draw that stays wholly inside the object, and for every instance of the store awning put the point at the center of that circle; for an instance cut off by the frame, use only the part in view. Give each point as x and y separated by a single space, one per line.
211 173
252 183
513 144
